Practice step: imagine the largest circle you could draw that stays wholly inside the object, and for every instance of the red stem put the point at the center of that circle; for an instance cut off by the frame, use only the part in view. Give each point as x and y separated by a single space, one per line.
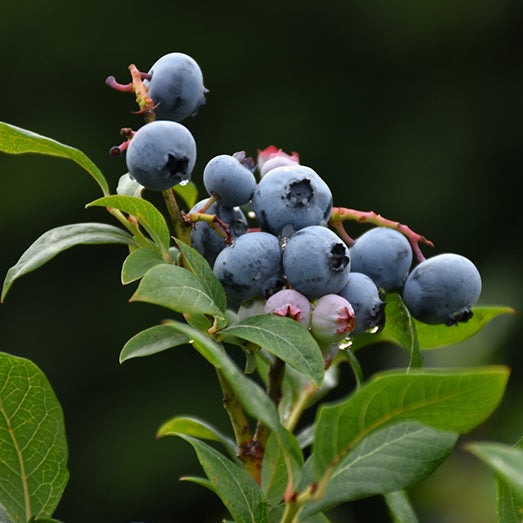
341 214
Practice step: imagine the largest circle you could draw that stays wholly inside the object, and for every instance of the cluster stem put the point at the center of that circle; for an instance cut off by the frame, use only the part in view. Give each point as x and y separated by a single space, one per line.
181 230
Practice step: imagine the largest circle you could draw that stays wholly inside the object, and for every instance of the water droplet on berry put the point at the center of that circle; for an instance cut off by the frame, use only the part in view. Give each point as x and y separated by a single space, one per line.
184 182
345 344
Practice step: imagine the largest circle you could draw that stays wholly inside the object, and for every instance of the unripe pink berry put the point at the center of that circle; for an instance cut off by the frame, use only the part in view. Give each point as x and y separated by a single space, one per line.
290 303
332 319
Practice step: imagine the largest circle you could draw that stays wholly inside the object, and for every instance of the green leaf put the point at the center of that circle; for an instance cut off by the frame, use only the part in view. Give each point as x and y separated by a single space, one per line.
403 330
59 239
391 458
177 289
285 338
252 397
189 192
33 449
199 321
145 212
509 504
448 400
4 516
314 518
14 140
274 473
438 336
505 460
151 341
400 508
194 427
203 482
238 491
139 262
199 266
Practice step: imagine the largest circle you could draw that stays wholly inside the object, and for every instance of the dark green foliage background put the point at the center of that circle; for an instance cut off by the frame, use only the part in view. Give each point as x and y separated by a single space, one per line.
411 109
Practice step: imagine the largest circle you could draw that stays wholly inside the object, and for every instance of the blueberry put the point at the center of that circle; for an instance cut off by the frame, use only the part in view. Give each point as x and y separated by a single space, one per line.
226 177
290 303
291 197
176 85
363 294
332 319
316 261
383 254
442 289
250 267
161 154
205 239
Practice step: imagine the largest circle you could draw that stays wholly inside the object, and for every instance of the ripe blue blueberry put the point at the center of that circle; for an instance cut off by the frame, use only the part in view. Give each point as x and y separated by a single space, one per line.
206 240
176 85
290 197
363 294
250 267
316 261
289 303
383 254
161 154
442 289
332 319
229 179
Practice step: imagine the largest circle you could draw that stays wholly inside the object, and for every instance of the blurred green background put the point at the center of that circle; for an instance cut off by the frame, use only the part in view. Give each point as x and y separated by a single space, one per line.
411 109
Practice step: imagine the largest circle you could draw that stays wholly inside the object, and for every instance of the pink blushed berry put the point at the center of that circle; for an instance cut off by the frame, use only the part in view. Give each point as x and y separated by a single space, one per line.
332 319
289 303
272 157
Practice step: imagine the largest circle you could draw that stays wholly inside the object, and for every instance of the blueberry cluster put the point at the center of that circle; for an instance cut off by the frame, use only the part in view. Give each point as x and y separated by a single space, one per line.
290 262
270 232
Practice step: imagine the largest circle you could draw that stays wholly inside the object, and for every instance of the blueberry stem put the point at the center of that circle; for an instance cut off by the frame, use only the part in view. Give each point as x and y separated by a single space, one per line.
304 400
132 225
181 230
341 214
274 391
351 359
213 220
249 451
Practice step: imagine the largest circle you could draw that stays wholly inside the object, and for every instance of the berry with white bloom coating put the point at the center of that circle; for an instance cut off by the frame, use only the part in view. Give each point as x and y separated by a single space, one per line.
176 87
226 177
161 154
442 289
316 261
250 267
291 197
332 319
290 303
383 254
363 294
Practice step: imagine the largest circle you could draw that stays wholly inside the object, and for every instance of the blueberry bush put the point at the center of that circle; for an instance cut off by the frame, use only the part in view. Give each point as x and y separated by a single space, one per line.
261 277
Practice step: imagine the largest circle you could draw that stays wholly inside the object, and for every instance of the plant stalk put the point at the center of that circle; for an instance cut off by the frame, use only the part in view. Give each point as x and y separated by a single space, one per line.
181 230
